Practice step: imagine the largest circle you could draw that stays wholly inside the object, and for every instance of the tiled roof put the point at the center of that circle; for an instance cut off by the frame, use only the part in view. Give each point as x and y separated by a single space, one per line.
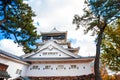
21 59
54 30
10 55
80 58
4 74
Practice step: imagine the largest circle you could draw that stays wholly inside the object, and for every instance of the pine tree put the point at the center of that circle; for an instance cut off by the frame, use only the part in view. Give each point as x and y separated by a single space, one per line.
17 24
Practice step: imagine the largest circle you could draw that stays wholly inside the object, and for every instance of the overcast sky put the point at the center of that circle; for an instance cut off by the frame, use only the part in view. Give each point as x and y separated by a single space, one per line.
58 14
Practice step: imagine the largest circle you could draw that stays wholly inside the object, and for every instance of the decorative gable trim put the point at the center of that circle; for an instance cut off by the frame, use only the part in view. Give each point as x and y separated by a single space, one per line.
50 45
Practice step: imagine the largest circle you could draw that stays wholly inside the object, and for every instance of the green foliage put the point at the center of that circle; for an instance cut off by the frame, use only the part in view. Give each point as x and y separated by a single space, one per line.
111 47
18 25
97 15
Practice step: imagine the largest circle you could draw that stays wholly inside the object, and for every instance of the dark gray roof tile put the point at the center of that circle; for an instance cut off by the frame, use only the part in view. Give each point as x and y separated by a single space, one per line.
10 55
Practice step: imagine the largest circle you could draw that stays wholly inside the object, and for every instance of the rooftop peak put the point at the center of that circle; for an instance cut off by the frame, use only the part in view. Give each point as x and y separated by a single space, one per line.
54 30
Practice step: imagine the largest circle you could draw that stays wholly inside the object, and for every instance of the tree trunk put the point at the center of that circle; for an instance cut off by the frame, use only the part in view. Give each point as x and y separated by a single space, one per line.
97 58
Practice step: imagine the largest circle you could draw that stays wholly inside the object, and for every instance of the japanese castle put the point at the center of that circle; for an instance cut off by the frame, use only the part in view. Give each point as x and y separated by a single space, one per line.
55 59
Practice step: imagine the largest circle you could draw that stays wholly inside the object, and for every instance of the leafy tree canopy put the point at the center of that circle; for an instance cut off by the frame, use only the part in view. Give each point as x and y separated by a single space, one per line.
111 47
97 15
17 23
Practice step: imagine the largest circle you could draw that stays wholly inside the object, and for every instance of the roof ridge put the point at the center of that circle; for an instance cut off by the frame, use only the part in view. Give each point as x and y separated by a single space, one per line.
54 30
9 54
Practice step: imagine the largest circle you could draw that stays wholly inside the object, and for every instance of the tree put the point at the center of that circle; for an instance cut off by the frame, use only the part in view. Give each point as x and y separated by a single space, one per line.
98 14
17 24
103 72
3 5
111 47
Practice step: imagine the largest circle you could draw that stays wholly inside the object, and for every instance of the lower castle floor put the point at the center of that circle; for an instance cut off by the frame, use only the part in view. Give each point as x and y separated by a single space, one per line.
83 77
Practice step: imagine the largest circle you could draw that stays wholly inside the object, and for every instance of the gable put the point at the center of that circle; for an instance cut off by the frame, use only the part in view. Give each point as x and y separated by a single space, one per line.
52 50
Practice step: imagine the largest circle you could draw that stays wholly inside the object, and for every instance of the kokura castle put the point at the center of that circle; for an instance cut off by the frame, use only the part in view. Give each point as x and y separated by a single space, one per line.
55 59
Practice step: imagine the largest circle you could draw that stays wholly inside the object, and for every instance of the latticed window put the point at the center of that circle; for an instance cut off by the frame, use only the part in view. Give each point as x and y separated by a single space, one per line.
18 71
35 67
47 67
73 66
60 67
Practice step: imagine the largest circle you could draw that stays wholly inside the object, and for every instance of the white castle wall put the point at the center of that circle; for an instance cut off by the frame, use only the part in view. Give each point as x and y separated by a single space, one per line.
54 70
13 67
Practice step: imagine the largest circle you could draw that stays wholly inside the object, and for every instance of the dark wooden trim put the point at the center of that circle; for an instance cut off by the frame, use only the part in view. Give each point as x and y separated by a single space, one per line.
82 77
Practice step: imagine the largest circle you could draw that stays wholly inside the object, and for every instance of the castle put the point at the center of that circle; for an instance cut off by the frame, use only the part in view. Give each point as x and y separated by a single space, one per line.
55 59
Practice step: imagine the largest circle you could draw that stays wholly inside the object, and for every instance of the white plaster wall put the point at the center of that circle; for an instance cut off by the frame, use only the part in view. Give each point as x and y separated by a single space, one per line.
59 54
60 72
13 66
64 46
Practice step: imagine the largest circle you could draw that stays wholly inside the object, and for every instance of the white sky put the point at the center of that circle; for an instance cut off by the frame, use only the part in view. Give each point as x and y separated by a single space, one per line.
9 46
58 14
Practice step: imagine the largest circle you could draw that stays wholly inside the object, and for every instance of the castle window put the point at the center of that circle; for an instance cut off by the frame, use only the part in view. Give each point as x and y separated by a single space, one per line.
50 53
73 66
35 67
18 71
60 67
47 67
44 53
